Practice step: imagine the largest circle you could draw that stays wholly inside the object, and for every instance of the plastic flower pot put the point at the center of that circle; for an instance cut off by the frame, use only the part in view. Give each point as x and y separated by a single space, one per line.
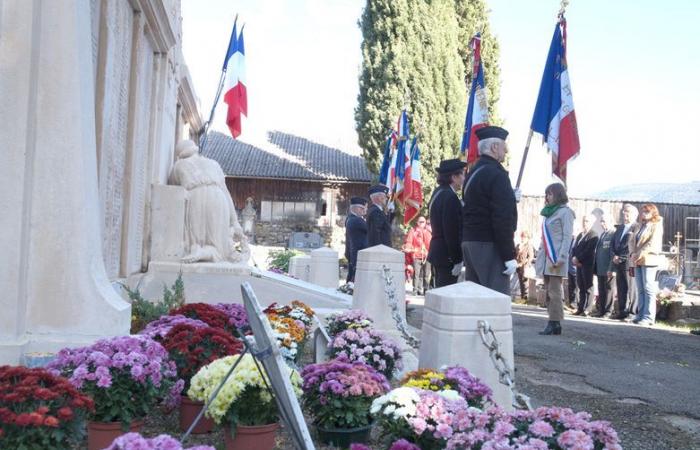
101 434
343 437
189 409
252 437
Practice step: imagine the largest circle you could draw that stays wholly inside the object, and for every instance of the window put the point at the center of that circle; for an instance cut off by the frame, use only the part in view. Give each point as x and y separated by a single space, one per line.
276 211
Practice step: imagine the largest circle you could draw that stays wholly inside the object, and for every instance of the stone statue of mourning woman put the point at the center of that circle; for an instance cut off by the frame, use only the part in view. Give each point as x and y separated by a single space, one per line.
212 230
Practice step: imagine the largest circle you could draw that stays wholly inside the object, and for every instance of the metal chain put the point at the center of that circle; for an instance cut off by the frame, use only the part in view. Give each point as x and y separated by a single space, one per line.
505 372
392 301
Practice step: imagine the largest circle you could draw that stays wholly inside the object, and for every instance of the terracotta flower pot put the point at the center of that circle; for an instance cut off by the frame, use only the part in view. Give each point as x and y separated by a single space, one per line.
101 434
343 437
252 438
189 409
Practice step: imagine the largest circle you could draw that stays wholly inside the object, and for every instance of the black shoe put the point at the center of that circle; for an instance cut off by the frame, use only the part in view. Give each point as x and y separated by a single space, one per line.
581 313
552 328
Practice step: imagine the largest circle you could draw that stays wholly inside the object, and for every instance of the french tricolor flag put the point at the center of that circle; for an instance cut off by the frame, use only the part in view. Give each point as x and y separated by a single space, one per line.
413 192
554 115
235 94
478 107
403 157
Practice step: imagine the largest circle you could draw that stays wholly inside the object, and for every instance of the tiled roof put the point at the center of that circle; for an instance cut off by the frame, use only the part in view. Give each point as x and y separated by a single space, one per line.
288 157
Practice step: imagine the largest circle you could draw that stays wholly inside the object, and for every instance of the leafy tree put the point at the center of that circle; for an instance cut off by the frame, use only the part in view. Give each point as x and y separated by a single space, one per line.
414 55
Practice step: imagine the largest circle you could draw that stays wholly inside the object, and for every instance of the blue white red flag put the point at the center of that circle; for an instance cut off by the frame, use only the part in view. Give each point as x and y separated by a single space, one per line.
402 157
386 163
478 108
413 190
548 243
554 115
235 93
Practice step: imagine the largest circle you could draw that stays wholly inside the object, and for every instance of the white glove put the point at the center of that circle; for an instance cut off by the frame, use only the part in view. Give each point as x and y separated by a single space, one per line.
457 269
510 267
518 193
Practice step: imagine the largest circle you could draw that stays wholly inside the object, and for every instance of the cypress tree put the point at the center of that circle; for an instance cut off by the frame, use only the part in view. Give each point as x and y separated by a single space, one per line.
414 55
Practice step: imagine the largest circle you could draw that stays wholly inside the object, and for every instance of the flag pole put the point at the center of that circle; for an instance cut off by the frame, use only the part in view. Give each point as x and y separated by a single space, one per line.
522 163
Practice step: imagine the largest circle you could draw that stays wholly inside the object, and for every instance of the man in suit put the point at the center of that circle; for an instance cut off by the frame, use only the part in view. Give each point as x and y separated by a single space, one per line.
445 253
601 267
584 258
378 223
571 273
355 234
489 215
619 250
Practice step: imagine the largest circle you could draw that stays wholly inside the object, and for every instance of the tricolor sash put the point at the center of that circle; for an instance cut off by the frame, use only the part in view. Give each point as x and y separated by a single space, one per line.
548 243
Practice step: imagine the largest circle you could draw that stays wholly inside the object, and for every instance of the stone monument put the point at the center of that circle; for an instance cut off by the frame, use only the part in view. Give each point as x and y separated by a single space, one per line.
249 214
211 222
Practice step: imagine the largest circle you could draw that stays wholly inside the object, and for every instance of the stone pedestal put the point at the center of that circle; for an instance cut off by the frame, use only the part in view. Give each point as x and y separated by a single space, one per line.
450 334
369 294
168 223
324 267
55 291
300 267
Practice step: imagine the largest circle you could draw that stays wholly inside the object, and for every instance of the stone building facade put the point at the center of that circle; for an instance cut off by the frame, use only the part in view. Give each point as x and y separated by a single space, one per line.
95 96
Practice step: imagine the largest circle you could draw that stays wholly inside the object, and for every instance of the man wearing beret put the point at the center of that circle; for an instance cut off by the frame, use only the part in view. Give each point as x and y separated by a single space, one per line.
355 234
489 215
378 225
445 253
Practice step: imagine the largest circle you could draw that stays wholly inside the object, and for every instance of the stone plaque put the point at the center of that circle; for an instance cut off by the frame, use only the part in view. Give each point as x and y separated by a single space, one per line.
277 370
305 241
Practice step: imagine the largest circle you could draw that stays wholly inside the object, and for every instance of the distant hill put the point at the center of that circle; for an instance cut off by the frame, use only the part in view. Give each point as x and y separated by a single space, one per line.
682 193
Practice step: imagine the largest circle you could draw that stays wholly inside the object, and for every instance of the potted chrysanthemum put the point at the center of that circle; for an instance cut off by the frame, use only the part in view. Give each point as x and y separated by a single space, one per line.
338 395
369 346
126 376
244 406
40 410
455 378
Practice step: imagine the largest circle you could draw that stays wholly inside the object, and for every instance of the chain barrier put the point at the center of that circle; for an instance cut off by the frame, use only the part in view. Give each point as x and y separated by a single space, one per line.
392 301
505 372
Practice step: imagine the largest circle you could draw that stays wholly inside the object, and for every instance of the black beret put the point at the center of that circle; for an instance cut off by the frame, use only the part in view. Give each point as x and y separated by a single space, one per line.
358 201
451 165
491 132
378 188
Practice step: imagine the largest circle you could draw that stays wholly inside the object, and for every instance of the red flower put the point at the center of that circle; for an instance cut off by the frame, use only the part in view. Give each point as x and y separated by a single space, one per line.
208 314
23 420
42 410
51 421
65 413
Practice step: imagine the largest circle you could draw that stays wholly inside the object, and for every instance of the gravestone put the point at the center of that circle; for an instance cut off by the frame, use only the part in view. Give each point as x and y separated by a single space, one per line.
300 267
305 241
277 370
324 267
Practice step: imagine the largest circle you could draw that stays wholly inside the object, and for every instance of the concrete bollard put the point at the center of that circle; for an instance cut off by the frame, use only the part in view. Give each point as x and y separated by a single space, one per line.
324 267
300 267
450 334
369 294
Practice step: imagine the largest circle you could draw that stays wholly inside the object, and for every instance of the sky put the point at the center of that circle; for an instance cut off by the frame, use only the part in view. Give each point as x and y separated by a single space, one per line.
634 68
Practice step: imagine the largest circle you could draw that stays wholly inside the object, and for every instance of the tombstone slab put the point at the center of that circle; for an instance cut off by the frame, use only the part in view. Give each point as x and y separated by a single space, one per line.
300 267
305 241
450 334
324 267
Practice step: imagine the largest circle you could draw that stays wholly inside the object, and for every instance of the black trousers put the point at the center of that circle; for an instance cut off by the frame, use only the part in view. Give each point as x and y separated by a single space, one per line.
606 293
421 276
584 279
522 281
572 289
622 288
443 276
352 265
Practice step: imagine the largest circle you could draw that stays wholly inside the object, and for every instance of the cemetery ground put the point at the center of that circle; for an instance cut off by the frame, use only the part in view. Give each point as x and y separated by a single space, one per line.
645 381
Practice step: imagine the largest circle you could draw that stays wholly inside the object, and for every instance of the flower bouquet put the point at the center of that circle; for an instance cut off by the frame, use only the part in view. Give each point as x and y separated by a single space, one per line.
298 311
439 420
338 395
369 346
244 400
133 441
354 318
455 378
39 409
126 377
213 316
157 329
192 348
237 317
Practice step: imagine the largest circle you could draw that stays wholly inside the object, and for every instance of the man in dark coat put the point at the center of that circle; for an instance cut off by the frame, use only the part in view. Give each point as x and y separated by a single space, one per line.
584 257
601 268
378 224
355 234
445 253
489 215
619 250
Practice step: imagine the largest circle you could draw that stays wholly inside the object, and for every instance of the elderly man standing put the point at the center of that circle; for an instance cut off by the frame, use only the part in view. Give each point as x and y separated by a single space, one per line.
355 234
378 224
619 249
489 215
601 268
584 257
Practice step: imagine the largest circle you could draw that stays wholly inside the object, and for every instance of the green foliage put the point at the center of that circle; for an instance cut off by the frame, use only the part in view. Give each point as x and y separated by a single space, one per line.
279 259
250 410
144 311
414 54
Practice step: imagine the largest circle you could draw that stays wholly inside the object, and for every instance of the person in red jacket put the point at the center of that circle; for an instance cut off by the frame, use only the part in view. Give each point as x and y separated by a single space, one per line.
417 244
